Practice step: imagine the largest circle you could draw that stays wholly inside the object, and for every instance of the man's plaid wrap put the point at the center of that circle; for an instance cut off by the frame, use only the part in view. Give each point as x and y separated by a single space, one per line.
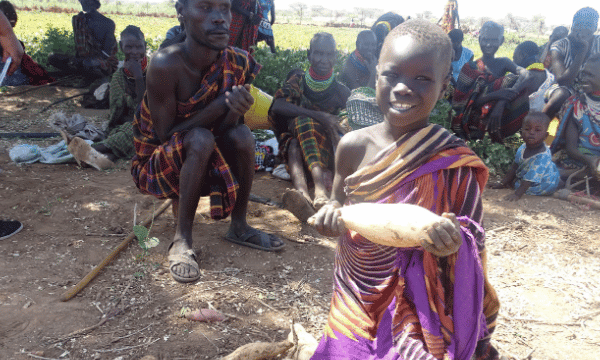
156 166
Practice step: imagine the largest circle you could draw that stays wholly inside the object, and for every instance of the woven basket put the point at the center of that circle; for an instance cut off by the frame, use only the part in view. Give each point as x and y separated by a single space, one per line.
362 108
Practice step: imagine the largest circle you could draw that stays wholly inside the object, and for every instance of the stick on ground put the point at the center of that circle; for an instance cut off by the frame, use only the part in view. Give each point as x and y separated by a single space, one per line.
92 274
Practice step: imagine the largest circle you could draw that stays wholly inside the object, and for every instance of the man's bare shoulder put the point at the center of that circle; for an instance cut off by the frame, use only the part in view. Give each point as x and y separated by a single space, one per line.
168 59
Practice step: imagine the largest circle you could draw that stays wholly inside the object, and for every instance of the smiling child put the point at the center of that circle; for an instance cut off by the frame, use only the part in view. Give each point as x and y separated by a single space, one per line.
425 302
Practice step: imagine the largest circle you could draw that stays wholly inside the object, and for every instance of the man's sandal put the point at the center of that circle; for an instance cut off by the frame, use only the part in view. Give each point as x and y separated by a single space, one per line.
188 258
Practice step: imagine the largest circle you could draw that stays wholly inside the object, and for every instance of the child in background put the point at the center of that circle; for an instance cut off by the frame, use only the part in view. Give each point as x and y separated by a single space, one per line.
423 302
532 172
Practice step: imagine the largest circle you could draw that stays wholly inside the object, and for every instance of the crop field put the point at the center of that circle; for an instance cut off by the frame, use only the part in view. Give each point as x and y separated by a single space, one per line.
33 25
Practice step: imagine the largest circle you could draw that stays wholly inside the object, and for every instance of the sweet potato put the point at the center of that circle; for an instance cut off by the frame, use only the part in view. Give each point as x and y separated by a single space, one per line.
398 225
260 351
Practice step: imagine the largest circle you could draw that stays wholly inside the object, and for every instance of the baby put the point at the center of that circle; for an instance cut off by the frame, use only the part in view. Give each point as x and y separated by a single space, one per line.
533 171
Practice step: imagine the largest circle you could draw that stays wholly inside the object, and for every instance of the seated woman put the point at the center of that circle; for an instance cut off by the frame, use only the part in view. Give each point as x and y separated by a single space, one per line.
30 72
126 91
570 53
488 96
577 143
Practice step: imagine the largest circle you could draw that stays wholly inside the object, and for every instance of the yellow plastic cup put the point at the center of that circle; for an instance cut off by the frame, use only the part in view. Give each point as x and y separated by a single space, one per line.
257 117
552 128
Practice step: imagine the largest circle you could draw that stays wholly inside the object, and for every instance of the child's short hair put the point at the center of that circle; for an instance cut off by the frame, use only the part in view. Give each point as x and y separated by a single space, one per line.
134 31
426 34
456 35
529 50
538 115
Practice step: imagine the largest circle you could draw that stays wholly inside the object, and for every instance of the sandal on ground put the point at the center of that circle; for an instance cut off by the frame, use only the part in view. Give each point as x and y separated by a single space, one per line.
9 228
265 242
188 258
297 204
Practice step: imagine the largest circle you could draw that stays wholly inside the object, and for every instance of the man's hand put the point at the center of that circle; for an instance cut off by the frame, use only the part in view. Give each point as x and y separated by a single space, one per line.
445 236
134 67
255 18
239 99
328 220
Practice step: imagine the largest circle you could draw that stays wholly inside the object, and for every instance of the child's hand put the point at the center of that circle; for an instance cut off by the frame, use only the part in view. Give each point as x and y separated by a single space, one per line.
328 220
512 197
445 236
239 99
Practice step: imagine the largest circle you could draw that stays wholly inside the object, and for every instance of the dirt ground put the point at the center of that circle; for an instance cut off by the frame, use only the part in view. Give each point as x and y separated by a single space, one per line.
543 261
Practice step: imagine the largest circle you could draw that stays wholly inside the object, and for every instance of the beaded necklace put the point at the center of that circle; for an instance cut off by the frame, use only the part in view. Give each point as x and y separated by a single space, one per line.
359 61
318 83
536 66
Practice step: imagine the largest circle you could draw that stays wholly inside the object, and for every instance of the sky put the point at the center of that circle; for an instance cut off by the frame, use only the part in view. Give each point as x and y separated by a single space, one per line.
558 13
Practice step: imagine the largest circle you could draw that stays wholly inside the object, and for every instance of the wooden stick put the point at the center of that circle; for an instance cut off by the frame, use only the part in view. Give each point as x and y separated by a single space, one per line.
62 100
92 274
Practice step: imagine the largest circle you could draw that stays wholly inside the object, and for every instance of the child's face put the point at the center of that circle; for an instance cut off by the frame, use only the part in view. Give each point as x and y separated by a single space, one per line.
410 81
490 40
534 131
590 77
322 56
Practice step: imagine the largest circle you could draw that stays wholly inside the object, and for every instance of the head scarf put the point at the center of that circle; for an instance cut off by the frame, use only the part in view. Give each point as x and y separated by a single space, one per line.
586 18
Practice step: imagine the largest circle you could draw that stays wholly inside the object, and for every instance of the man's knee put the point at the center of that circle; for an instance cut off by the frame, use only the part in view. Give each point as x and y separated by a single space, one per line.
199 141
240 138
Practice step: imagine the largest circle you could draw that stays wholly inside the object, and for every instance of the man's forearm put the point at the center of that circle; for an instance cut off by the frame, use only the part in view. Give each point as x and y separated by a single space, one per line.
205 118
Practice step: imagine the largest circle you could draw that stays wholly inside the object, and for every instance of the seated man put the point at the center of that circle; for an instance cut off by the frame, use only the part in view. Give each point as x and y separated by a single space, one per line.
126 91
462 55
486 97
576 147
359 68
188 137
95 44
29 72
303 118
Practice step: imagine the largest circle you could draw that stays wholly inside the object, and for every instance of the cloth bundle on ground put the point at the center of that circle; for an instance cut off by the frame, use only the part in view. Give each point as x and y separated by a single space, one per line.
470 121
53 154
156 166
76 125
405 303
